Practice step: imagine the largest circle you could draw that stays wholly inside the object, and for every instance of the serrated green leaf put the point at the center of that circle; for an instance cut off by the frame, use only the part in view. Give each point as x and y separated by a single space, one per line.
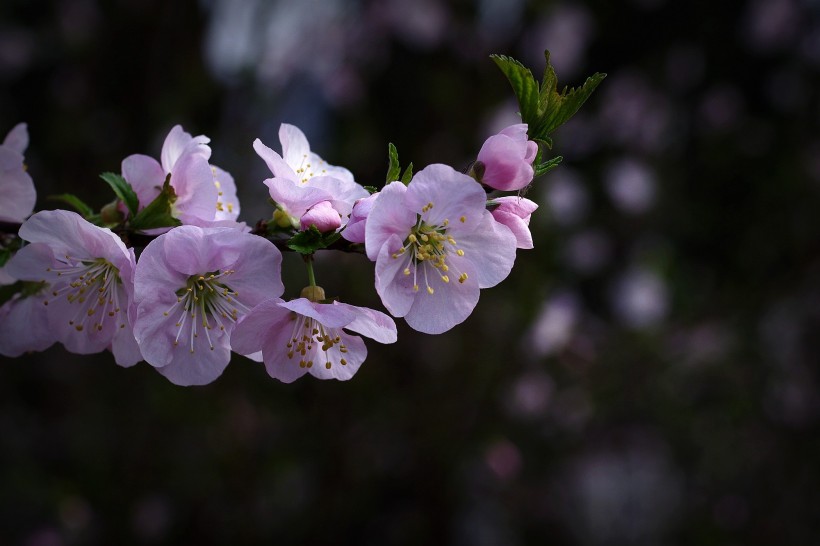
547 166
408 174
78 204
393 169
157 214
554 108
524 86
311 240
123 191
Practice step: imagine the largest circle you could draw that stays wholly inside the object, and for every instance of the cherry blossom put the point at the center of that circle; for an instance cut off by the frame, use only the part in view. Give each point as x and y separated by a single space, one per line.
304 336
192 285
205 194
303 181
90 276
435 245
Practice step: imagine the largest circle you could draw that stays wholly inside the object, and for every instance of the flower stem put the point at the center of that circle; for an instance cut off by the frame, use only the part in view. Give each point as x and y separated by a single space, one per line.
309 265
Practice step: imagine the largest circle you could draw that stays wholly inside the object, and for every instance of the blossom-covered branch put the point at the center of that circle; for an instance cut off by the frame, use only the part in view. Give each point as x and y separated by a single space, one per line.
167 273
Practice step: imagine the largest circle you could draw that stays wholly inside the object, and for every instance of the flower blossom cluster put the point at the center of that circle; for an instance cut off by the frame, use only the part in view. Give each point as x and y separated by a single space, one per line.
208 287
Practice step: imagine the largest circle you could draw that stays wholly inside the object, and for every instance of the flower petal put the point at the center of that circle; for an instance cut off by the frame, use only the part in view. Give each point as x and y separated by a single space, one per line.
17 138
491 248
371 323
389 217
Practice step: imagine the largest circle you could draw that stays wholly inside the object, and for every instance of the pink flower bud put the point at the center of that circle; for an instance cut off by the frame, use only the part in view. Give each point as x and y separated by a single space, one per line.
506 159
323 216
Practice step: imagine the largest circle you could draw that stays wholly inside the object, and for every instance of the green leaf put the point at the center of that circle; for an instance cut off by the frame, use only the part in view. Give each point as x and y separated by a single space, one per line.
523 84
311 240
554 108
393 168
5 255
547 166
78 204
371 189
123 190
543 108
408 174
157 214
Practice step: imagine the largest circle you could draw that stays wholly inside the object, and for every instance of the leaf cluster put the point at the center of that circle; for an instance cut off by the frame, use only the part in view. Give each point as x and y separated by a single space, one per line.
542 107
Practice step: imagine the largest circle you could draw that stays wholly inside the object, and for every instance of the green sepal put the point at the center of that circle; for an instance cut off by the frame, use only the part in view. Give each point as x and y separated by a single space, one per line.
393 168
78 204
371 189
123 190
310 240
408 174
157 214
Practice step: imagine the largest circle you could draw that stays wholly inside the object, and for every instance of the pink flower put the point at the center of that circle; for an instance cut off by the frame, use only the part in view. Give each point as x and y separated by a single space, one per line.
25 322
354 232
206 195
301 336
506 159
16 186
192 285
435 245
514 212
90 274
301 180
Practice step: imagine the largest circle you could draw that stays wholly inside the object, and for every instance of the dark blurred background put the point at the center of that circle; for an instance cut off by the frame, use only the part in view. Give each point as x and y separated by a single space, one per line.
646 375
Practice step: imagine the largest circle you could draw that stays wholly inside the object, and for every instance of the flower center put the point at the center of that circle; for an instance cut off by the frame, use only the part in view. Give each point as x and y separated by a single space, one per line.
94 287
204 303
312 341
429 244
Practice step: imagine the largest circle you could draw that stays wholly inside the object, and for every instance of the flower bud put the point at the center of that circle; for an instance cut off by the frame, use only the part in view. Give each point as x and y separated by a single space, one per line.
323 216
507 159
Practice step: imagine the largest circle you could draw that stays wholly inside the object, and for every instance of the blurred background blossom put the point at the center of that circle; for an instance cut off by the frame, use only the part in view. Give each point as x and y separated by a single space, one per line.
647 375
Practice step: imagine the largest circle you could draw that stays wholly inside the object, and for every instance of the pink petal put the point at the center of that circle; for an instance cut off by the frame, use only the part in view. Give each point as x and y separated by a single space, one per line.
370 323
518 227
388 217
179 143
193 183
252 331
491 248
145 175
454 195
450 304
295 147
17 138
394 287
274 161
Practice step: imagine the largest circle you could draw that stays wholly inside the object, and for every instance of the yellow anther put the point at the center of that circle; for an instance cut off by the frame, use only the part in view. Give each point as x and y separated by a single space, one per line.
327 365
445 278
460 252
462 277
462 219
406 270
430 290
343 362
415 288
